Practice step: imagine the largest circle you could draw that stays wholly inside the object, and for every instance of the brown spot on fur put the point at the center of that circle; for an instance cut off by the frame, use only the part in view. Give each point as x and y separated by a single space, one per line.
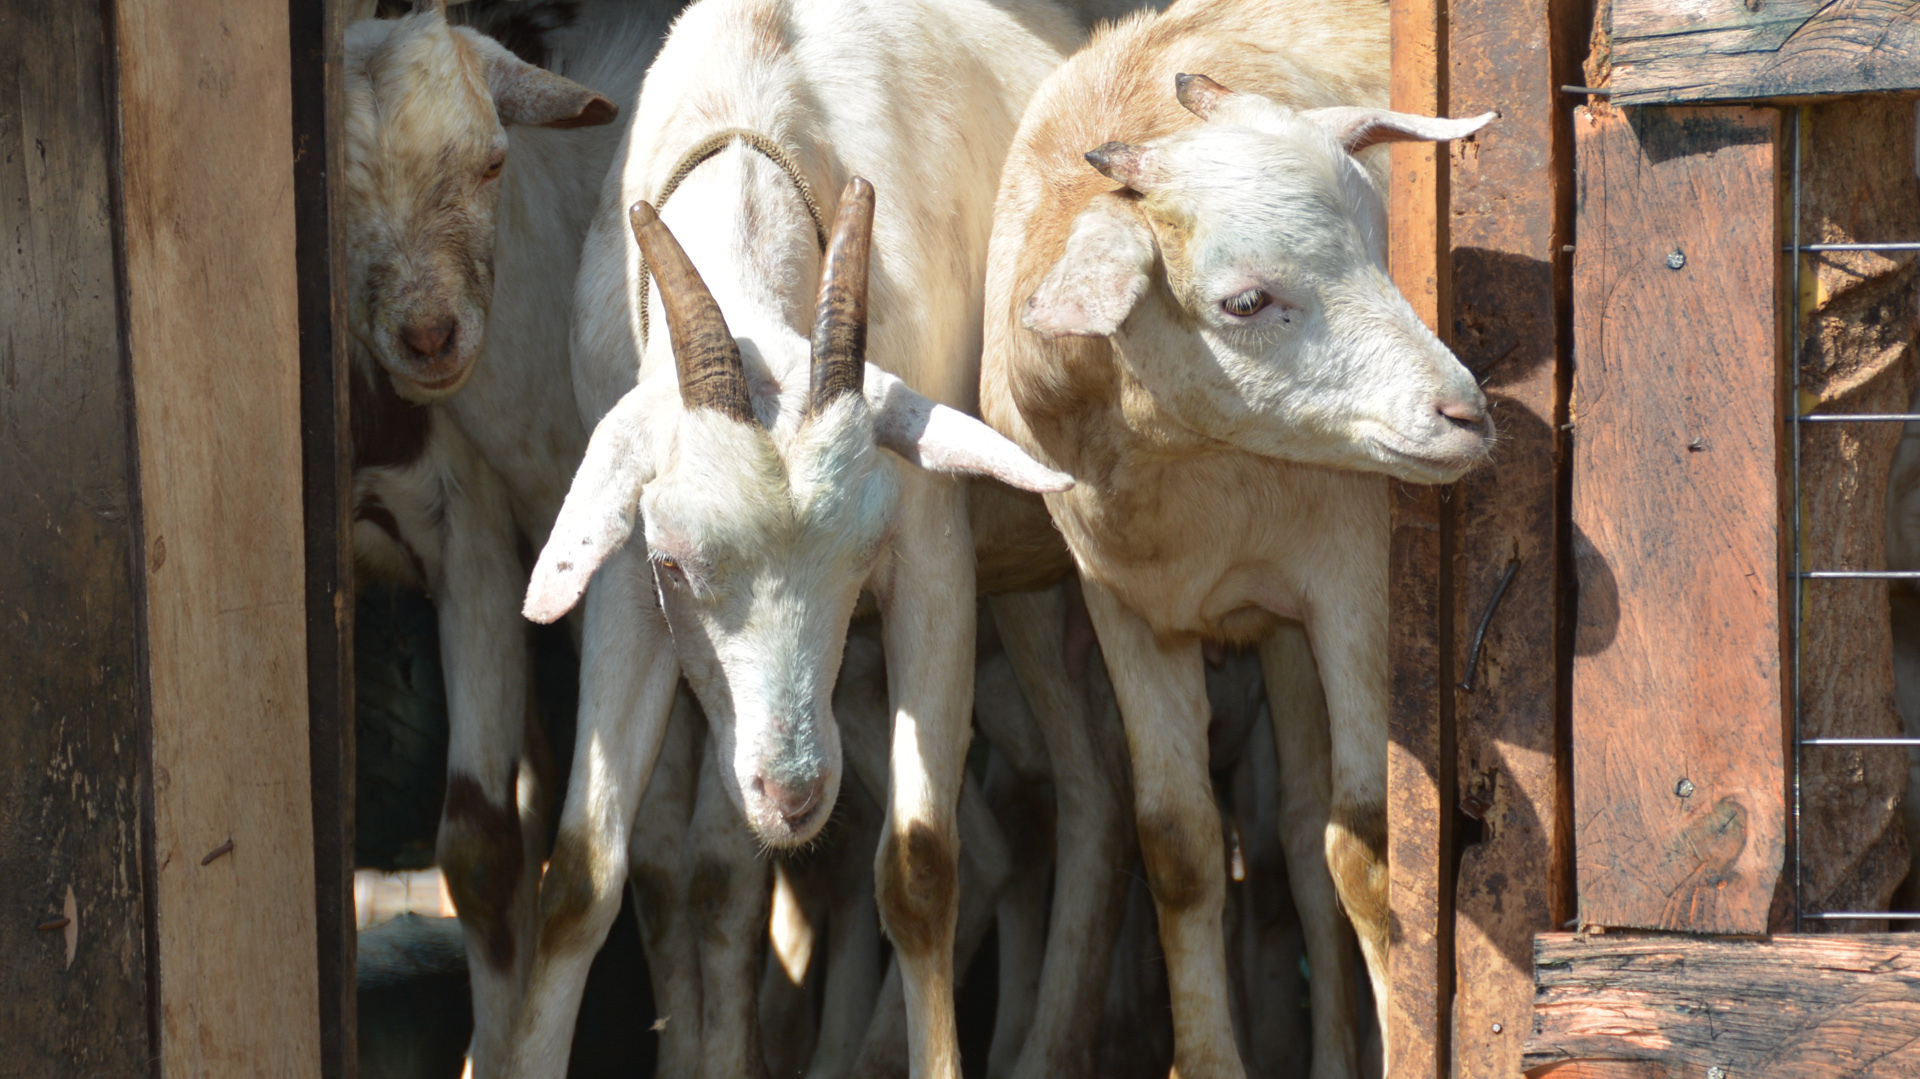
388 432
1357 857
566 891
917 883
480 855
1179 859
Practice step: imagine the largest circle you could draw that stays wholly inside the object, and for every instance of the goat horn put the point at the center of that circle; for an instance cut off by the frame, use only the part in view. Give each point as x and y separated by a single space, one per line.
840 319
711 374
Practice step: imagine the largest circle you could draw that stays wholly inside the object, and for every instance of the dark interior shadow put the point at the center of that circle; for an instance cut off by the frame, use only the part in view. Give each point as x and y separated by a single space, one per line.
1503 314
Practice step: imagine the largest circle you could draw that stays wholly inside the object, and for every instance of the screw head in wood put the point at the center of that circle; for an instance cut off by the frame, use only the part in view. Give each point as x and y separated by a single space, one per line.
1716 1072
1676 258
1496 1028
1684 788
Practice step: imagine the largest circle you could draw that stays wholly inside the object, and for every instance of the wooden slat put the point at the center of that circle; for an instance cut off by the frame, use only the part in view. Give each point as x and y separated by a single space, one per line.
70 745
1725 50
1794 1007
1679 778
1419 764
315 31
212 316
1511 196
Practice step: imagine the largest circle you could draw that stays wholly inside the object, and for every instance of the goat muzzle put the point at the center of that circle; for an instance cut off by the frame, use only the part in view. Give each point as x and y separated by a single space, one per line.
704 351
840 319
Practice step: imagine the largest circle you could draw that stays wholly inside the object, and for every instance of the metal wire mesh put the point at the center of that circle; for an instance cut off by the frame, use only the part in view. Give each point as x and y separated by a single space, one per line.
1801 575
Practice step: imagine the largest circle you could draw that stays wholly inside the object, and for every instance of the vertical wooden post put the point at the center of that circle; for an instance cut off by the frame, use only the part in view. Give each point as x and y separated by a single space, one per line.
1510 192
1678 686
212 322
315 33
1419 753
75 992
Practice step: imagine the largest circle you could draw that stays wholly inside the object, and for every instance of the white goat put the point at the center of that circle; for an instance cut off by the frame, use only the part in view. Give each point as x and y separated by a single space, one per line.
1215 352
461 251
753 461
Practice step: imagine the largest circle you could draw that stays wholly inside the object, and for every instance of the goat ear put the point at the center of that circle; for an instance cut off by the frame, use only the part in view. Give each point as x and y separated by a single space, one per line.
1357 128
525 94
942 439
1103 273
597 517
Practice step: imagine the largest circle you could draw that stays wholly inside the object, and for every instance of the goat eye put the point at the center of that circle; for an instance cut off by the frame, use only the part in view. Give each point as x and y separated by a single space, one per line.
1245 304
494 167
669 564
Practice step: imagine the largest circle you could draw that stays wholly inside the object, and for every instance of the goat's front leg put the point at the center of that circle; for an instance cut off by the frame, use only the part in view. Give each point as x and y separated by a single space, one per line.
1349 639
927 607
1088 761
728 889
1162 693
627 678
486 849
657 877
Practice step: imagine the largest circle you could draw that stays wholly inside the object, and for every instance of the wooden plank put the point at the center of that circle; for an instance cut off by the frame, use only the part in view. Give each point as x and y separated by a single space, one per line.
1680 781
1818 1007
1724 50
70 745
1419 757
315 33
213 334
1511 196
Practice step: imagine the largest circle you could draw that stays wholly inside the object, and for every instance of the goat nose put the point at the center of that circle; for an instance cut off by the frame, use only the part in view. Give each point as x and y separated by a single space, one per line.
1466 414
428 339
793 803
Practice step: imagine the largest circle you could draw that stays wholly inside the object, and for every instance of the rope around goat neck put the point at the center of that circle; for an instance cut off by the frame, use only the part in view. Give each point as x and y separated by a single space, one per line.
695 157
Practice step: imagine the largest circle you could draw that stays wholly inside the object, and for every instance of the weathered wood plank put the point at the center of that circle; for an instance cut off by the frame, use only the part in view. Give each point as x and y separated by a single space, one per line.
1818 1007
213 334
1419 752
315 31
70 739
1511 195
1679 710
1725 50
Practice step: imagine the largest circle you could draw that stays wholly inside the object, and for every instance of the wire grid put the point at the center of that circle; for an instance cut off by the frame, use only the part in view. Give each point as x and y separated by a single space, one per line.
1801 575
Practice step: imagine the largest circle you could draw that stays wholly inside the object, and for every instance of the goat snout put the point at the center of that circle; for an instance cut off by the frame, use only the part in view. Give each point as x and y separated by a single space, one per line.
795 803
428 338
1468 415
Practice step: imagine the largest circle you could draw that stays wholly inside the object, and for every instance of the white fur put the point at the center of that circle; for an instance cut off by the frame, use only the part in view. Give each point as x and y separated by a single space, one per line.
1228 467
759 537
504 437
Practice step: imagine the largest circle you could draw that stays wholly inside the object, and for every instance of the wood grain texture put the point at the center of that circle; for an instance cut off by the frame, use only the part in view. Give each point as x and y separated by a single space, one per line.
1793 1007
213 334
1678 447
1857 355
1726 50
70 744
315 33
1511 196
1419 751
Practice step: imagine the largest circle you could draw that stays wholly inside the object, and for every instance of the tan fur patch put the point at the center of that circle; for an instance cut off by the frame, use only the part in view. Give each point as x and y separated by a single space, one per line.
479 851
567 892
1357 857
917 883
1179 859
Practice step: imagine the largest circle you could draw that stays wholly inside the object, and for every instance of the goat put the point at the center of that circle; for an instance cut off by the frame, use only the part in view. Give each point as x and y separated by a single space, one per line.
751 460
460 258
1201 330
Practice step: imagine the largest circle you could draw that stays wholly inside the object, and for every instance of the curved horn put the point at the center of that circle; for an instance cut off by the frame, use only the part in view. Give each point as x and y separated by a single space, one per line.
840 320
711 374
